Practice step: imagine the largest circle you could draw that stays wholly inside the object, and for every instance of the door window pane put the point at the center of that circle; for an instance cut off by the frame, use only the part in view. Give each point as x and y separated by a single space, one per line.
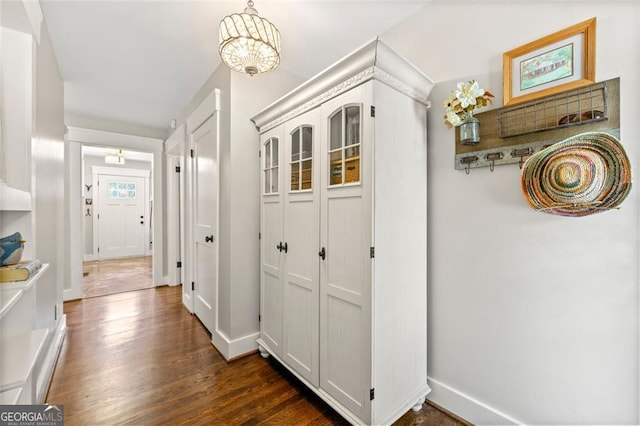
307 142
295 145
121 190
352 125
335 135
306 174
335 168
295 176
267 154
301 164
274 153
271 166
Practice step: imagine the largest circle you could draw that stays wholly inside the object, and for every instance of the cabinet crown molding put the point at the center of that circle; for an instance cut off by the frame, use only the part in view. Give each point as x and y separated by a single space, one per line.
375 60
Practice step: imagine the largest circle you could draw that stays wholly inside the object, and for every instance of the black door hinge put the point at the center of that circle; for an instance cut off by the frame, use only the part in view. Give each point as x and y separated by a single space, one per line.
373 111
372 252
259 154
193 286
259 318
372 393
192 153
259 235
98 249
179 265
177 169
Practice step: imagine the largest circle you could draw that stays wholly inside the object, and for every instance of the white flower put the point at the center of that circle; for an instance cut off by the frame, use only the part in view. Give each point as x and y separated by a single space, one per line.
468 92
453 118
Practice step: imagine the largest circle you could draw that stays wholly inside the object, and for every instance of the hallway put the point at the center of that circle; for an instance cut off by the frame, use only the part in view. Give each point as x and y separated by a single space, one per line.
140 358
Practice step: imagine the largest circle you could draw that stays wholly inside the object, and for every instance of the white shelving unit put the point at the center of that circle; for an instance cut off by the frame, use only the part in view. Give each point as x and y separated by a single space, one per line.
23 347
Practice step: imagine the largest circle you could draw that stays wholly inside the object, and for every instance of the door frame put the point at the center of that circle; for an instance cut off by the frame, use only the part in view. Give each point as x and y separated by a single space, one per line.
174 148
96 171
82 136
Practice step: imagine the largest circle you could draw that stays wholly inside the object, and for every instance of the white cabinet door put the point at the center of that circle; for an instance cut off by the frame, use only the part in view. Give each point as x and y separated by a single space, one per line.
301 235
271 251
346 237
205 233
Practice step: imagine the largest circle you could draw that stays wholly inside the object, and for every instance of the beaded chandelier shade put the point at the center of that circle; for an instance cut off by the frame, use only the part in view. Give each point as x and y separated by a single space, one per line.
249 43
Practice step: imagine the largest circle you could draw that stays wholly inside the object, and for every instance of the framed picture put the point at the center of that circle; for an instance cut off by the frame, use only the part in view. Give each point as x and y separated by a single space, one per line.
561 61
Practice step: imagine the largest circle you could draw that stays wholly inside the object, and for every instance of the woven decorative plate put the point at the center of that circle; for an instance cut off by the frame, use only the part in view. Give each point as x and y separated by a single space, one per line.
581 175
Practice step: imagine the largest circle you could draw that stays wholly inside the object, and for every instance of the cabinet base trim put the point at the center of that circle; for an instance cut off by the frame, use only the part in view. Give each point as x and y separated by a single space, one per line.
235 348
467 407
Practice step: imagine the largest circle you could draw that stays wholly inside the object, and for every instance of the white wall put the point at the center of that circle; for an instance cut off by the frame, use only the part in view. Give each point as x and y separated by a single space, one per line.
242 97
48 171
533 318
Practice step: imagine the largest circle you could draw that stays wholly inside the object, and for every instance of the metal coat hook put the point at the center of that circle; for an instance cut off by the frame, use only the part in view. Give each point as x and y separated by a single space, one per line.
524 152
468 160
493 156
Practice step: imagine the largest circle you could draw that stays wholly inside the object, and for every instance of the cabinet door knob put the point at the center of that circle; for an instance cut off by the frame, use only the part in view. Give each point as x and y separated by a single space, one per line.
285 247
322 253
208 239
280 246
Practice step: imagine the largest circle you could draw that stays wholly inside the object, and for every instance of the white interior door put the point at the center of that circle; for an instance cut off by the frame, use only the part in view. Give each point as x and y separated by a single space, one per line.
271 240
301 235
346 237
122 224
205 221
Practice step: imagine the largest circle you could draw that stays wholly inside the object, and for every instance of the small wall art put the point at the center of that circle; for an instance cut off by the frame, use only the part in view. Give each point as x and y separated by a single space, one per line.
561 61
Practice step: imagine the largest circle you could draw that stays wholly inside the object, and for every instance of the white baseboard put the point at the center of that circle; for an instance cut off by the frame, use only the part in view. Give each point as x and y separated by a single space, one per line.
234 348
50 360
70 294
89 257
466 406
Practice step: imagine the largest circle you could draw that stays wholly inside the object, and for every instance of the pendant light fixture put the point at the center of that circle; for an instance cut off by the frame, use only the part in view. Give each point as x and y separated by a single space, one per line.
248 42
115 158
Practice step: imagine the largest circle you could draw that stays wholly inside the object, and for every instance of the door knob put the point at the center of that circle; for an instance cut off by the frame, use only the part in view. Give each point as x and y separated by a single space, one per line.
280 246
285 247
322 253
208 239
142 222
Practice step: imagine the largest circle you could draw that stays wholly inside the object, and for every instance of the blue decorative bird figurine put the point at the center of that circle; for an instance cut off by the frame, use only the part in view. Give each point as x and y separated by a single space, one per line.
11 249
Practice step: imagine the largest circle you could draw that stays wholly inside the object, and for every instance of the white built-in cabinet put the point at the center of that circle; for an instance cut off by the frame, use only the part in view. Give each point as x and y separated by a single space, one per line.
344 234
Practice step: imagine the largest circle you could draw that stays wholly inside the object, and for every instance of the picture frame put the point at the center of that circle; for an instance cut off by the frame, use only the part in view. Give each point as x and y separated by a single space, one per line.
560 61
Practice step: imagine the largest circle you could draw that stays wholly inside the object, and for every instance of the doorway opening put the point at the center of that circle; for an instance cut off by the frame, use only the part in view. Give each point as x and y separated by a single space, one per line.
117 202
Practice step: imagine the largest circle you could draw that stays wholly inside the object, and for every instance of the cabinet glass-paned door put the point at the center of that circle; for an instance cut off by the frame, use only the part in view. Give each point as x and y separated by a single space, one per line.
270 168
301 162
344 145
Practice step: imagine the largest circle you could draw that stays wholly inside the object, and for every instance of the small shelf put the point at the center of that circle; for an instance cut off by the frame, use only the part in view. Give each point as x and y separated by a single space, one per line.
571 108
19 356
8 298
10 397
26 284
12 199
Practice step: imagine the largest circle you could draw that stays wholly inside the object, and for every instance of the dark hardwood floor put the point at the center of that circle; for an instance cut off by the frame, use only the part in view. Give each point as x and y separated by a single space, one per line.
140 358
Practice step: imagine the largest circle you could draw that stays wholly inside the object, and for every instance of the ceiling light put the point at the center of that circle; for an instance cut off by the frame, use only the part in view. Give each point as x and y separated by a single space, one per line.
249 43
115 158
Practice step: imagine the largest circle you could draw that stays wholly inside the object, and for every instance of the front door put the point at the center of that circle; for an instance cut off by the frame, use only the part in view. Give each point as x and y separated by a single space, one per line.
205 221
121 216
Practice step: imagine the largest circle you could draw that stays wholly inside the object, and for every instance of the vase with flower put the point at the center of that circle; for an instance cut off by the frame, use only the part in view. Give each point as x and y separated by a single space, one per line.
459 109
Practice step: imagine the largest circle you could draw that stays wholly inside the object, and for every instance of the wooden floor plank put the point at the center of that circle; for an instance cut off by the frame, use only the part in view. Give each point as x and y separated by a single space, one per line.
140 358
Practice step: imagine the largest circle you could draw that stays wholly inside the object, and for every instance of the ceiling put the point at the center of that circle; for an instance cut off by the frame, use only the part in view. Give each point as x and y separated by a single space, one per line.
140 62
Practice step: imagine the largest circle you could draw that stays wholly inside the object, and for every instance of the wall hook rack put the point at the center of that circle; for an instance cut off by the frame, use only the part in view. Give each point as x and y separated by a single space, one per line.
539 123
